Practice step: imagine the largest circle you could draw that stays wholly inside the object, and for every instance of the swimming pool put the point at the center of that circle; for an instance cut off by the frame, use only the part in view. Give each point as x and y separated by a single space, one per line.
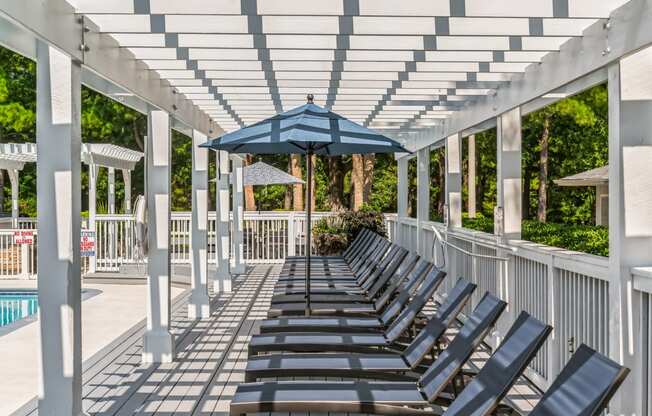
16 305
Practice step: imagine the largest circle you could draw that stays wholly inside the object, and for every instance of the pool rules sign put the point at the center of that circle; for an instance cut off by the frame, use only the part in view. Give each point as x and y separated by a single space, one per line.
87 243
24 237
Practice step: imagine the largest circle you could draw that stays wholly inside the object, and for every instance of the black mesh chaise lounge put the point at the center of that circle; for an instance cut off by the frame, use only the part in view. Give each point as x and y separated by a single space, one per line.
386 313
363 342
584 387
369 288
403 366
480 397
338 307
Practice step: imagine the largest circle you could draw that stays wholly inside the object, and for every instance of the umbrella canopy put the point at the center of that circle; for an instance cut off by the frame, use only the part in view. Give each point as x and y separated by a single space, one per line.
260 173
305 129
308 129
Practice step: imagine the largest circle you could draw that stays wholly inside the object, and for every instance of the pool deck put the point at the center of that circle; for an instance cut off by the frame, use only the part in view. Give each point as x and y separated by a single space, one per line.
211 357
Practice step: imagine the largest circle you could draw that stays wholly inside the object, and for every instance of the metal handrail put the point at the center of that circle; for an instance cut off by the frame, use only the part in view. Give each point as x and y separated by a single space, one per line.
444 242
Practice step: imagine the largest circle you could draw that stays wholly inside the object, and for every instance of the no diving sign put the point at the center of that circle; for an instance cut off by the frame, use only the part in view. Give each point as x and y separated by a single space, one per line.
87 243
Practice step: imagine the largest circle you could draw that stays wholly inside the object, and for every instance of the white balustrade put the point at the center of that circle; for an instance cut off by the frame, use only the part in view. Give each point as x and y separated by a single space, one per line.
568 290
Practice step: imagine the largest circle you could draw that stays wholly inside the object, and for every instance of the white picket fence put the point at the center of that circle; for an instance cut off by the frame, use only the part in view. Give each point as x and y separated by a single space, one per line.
566 289
268 237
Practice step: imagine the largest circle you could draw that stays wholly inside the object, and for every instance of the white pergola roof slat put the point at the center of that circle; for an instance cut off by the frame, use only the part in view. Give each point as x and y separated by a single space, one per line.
249 56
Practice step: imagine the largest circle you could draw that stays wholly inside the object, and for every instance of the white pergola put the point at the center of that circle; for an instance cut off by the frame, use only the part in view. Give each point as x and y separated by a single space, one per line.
429 72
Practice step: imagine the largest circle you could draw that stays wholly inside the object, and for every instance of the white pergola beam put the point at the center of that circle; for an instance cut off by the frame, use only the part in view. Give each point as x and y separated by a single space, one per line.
58 134
604 42
158 342
55 22
454 180
199 302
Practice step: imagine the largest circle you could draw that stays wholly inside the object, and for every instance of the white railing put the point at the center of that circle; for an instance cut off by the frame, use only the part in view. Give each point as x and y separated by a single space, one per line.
268 237
566 289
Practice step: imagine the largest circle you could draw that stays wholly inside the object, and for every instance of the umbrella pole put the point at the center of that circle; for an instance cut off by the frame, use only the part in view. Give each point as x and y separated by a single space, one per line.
308 228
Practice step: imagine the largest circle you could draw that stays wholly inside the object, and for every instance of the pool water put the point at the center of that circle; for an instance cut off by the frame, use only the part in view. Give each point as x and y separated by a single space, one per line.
16 305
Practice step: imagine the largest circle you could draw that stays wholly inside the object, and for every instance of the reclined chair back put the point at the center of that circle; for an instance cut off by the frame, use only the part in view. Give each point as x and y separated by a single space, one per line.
450 360
424 293
410 272
381 276
584 387
357 241
503 368
368 253
367 280
363 266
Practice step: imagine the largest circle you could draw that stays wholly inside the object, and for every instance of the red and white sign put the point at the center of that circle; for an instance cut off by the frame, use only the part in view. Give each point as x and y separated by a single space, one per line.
24 237
87 243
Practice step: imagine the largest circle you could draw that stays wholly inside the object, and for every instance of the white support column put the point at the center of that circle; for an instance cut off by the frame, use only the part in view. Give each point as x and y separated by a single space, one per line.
630 221
158 342
58 137
508 178
126 177
471 182
92 210
402 198
423 197
454 180
111 210
238 212
15 192
507 216
199 303
111 190
222 281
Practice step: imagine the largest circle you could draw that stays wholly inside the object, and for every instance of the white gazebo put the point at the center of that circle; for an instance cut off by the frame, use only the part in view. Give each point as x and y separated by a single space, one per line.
14 156
598 178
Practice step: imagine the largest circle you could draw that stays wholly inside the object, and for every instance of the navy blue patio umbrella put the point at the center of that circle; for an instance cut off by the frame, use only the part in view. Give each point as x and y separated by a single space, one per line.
310 130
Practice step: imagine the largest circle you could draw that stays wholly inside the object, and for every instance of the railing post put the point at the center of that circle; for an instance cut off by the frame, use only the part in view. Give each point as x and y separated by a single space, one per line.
292 235
630 222
24 261
92 213
58 137
554 341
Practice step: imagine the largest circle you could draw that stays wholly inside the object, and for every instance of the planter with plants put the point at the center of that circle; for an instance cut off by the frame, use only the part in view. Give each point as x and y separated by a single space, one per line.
332 235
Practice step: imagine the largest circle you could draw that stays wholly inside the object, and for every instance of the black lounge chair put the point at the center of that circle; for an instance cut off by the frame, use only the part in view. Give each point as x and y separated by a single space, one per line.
480 397
338 309
356 269
365 342
368 288
405 284
361 241
584 387
401 366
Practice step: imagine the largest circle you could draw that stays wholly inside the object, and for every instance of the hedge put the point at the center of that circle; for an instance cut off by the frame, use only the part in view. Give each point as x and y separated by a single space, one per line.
590 239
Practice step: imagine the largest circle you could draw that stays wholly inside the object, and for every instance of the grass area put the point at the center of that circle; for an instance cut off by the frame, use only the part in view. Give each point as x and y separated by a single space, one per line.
590 239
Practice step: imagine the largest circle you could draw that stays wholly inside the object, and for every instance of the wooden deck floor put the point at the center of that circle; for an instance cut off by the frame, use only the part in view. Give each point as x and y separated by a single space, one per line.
211 357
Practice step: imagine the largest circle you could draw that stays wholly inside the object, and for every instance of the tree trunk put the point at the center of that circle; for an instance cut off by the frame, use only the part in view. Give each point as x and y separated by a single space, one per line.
287 201
297 189
313 186
2 190
527 186
335 183
368 177
442 184
543 171
357 182
250 199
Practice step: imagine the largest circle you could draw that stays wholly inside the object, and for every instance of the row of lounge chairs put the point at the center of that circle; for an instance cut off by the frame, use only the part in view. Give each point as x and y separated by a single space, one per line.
368 328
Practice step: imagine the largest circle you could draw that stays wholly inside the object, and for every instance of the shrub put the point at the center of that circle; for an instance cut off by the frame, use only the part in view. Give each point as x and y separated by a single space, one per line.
333 234
590 239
